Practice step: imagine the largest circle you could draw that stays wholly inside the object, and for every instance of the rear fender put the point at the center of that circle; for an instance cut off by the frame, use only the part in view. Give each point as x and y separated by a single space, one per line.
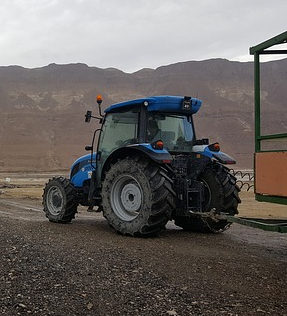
218 155
144 149
158 155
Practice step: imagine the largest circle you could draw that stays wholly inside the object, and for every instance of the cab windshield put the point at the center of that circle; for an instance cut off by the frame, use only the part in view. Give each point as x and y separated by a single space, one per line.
175 131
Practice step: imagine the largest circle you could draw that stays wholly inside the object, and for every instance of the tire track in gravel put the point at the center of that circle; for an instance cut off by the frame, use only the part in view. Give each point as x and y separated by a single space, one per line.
18 210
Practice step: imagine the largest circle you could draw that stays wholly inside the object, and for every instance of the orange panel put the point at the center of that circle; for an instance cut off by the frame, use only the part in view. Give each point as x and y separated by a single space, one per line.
271 173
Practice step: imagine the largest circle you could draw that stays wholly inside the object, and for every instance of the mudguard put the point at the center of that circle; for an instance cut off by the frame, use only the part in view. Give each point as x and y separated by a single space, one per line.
218 155
158 155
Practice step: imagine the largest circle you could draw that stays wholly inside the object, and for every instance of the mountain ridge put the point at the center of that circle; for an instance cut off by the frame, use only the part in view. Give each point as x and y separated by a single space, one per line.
42 122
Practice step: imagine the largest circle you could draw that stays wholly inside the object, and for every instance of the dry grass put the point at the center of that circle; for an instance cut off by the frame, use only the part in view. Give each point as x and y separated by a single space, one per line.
34 193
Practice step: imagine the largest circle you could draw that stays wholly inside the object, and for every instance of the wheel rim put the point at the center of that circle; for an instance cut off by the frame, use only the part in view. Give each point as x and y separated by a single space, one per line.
55 200
126 197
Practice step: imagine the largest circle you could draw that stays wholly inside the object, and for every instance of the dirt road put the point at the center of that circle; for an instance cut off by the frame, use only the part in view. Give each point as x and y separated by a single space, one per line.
85 268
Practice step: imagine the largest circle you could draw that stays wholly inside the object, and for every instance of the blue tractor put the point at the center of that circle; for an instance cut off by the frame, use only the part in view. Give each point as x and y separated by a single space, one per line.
146 169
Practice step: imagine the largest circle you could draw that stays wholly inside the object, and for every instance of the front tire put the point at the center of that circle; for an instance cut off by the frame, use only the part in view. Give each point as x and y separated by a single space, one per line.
60 200
137 197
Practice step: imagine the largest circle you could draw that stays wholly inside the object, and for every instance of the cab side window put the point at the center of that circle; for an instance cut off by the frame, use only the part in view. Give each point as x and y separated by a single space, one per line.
119 129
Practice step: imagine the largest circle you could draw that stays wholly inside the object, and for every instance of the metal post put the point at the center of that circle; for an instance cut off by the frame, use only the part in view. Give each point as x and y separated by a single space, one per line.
257 102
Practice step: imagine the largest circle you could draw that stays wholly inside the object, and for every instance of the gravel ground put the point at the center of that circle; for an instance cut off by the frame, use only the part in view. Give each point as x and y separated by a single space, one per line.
85 268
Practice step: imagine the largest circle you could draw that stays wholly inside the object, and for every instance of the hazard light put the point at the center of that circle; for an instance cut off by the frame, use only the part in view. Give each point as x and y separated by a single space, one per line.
99 99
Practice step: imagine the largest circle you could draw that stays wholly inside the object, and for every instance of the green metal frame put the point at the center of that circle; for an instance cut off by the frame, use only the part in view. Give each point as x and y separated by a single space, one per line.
279 226
263 49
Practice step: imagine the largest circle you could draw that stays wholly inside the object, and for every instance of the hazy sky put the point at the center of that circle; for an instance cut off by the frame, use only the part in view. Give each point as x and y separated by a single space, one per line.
134 34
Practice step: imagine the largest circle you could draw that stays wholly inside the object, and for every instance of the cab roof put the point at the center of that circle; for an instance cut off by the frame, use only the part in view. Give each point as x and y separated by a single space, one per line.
163 104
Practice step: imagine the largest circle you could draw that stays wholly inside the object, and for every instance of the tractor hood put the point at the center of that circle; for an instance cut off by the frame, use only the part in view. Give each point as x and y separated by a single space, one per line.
163 104
81 169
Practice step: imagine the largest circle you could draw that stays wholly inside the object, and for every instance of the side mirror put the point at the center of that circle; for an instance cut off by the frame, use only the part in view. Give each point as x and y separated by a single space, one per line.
88 116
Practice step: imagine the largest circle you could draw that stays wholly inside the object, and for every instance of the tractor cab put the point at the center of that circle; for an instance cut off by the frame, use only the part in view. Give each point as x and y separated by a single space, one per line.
159 123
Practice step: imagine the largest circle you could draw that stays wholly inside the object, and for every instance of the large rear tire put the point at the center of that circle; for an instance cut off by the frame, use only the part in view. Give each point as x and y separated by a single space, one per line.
221 195
60 200
137 196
